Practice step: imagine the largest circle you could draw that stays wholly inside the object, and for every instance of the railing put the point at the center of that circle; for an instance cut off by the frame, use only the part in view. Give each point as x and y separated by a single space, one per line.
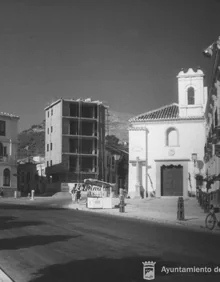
204 200
208 200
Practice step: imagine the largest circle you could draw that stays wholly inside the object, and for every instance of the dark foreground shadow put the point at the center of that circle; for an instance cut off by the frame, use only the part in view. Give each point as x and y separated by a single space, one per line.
7 218
31 241
128 269
8 222
19 224
28 207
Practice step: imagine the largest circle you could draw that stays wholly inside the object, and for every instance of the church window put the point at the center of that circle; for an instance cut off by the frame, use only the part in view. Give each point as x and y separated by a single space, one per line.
6 177
172 137
191 96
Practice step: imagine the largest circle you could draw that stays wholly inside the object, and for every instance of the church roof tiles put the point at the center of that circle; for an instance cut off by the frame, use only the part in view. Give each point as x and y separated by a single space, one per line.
164 113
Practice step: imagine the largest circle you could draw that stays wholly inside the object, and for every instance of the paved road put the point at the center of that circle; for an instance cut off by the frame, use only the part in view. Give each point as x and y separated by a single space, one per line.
39 244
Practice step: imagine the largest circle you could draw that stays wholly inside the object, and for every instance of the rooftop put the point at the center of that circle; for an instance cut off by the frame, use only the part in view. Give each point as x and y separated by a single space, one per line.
86 101
3 114
168 112
190 72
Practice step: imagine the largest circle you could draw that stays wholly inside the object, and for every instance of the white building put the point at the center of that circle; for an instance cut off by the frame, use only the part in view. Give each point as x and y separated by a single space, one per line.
40 165
8 153
74 141
163 141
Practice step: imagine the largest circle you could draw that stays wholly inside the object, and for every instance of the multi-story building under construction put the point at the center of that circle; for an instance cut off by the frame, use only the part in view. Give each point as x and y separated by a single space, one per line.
75 140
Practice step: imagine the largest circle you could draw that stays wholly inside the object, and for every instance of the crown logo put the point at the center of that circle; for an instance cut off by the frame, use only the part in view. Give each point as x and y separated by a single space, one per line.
149 263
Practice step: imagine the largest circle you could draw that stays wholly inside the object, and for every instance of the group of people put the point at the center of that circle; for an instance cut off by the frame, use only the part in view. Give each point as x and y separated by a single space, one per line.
76 193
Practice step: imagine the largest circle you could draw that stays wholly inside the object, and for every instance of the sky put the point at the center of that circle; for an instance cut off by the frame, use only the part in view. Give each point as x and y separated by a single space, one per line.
126 53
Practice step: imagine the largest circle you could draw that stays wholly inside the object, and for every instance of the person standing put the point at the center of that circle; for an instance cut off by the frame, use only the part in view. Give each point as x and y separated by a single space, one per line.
78 193
73 193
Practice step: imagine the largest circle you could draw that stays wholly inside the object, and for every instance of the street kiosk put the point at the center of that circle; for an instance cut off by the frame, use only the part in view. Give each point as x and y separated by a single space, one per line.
99 194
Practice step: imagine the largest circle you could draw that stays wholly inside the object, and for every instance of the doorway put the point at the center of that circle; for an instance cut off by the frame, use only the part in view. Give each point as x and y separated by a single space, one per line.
172 180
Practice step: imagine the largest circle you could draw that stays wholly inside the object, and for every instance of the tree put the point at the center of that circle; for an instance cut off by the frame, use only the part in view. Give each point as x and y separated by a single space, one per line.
112 140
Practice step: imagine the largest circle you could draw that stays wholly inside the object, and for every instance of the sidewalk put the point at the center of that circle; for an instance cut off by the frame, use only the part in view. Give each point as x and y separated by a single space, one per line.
157 210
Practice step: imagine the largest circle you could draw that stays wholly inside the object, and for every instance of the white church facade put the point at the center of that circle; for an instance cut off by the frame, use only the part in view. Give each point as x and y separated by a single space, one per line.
166 145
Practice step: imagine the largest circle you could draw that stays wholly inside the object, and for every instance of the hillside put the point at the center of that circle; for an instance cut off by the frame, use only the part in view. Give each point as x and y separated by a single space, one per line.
34 137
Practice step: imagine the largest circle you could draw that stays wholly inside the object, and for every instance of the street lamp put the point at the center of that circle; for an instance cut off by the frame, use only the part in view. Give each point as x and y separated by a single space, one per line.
117 158
194 158
208 52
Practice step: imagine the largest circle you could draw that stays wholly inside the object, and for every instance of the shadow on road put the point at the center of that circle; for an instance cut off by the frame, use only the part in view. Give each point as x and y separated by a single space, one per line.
28 207
18 224
31 241
103 269
97 269
8 222
7 218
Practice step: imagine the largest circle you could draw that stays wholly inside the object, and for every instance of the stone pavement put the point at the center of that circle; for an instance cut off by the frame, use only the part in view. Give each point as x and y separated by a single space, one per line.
159 210
162 210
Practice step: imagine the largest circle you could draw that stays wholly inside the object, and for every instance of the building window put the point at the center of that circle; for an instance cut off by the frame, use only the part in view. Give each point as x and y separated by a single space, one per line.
51 111
172 137
51 163
191 96
5 151
2 127
47 163
6 177
1 150
47 147
51 129
216 117
113 163
48 131
51 146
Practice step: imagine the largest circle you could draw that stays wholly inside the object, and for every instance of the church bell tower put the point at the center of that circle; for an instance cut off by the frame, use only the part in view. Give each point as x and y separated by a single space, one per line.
192 95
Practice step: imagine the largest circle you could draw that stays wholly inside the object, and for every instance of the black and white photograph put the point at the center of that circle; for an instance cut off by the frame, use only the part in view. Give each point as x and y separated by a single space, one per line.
109 140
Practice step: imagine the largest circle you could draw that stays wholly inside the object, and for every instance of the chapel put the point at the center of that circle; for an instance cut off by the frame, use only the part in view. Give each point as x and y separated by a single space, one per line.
166 145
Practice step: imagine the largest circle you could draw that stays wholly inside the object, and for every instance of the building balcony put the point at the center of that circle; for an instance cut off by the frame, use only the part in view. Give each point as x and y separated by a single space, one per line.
208 151
83 170
79 118
7 160
75 134
86 153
